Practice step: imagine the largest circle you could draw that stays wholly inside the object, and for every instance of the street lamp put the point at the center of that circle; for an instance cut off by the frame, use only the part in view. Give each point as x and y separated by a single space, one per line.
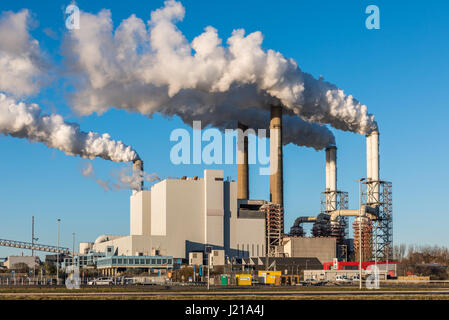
360 232
73 247
57 256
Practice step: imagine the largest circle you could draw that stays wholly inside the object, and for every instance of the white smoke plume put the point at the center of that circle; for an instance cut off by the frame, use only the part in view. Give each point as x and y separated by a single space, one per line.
22 120
125 178
22 66
154 69
88 170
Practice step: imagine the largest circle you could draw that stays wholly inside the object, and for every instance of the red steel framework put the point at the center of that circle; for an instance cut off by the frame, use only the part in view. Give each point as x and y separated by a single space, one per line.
363 238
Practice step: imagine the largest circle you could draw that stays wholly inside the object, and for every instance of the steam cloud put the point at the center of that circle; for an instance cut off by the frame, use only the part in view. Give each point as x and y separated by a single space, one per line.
125 178
21 62
155 69
21 120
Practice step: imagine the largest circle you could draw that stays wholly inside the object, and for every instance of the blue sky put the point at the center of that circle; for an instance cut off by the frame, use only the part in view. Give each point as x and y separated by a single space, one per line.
401 72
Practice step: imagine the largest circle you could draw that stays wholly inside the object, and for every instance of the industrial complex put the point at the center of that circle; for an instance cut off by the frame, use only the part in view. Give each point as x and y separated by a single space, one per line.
185 220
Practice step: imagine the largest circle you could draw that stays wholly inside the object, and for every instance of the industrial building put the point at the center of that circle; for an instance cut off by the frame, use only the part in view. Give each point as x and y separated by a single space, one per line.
178 216
13 261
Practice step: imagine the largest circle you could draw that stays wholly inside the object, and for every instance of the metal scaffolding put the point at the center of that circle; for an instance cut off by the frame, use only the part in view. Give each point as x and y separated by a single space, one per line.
331 201
274 227
378 194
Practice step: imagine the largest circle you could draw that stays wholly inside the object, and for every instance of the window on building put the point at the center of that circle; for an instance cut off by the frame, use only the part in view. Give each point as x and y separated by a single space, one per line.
147 261
153 261
119 261
158 261
114 261
252 250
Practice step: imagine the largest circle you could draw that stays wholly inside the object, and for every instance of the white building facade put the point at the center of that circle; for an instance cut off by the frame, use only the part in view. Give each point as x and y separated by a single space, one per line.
178 216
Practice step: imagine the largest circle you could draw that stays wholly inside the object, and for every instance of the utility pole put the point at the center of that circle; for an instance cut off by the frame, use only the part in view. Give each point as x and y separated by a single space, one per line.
32 245
73 248
57 256
32 236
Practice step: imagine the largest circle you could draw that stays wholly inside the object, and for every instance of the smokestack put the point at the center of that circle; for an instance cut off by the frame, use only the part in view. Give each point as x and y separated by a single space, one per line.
331 178
242 163
138 170
372 165
374 137
368 157
276 178
375 164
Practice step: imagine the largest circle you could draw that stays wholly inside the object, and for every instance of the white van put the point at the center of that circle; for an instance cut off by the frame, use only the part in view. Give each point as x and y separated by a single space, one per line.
100 282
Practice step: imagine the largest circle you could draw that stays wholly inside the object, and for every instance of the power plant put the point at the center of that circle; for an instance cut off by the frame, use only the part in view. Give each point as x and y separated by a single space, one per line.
177 217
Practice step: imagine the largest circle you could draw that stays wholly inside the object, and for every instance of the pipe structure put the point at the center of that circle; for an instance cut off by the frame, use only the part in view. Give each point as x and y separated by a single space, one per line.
276 168
138 170
242 163
300 220
365 211
331 178
296 229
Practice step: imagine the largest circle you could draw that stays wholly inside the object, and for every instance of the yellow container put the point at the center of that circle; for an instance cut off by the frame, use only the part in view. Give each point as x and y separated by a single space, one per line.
269 276
243 279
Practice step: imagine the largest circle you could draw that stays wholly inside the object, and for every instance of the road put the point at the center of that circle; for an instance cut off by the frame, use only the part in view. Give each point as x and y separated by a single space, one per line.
223 294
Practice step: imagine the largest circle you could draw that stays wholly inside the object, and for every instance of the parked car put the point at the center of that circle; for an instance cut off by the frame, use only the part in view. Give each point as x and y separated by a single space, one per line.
356 277
308 282
341 278
100 282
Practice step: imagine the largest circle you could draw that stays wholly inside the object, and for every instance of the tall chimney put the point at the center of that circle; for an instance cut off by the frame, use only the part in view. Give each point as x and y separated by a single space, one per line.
375 164
375 155
368 157
138 170
276 177
331 178
242 163
372 166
